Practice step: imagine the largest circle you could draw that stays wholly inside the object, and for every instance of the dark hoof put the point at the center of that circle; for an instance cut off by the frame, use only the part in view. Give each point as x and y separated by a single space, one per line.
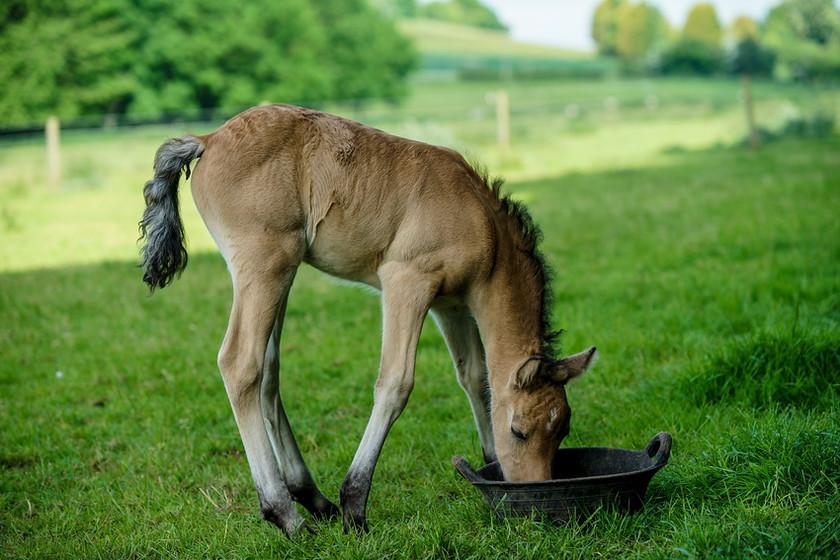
290 523
326 511
302 529
318 505
353 498
355 524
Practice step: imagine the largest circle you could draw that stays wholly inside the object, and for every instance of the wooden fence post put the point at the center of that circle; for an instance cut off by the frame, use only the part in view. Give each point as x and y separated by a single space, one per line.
503 123
53 152
749 107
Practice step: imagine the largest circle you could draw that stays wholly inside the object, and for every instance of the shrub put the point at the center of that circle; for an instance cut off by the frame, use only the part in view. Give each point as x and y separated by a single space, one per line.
693 57
819 125
753 58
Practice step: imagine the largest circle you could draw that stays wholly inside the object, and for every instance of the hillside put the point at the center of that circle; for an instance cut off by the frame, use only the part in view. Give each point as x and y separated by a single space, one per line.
453 51
439 37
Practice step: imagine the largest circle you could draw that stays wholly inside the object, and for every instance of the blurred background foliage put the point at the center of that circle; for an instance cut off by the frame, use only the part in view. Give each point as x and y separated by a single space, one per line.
797 40
143 56
144 60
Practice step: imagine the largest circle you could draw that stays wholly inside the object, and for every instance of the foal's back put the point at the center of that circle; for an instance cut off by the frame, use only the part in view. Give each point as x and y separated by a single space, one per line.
352 196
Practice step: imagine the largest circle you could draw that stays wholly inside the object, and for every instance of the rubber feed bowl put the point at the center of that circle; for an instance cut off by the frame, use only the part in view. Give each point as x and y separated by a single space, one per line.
583 480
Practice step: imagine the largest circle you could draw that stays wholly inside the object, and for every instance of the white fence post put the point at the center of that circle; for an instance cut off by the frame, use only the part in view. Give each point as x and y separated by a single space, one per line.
53 152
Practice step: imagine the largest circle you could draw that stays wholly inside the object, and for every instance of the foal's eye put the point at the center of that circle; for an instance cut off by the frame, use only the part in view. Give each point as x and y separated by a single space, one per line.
518 434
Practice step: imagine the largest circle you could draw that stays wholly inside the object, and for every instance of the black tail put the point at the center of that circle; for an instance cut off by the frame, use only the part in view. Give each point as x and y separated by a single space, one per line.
163 253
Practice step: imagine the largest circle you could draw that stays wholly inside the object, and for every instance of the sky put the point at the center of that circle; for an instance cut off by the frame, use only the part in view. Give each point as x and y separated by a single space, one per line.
567 23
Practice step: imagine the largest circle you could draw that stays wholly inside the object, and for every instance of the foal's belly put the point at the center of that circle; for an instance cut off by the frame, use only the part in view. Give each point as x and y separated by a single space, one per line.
353 266
346 252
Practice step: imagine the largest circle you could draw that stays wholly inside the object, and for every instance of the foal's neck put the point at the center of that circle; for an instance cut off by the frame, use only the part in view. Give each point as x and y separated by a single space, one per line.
508 311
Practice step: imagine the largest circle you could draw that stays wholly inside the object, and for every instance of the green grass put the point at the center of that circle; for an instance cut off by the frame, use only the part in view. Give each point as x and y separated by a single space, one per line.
767 369
117 441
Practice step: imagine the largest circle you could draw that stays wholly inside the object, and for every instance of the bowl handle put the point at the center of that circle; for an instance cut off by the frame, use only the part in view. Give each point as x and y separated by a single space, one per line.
465 470
659 447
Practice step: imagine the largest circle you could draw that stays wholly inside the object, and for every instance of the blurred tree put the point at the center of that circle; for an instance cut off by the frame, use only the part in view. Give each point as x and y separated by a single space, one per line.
469 12
641 29
59 59
743 28
368 58
147 56
816 21
690 56
750 56
632 32
805 35
605 24
753 58
214 53
699 49
703 25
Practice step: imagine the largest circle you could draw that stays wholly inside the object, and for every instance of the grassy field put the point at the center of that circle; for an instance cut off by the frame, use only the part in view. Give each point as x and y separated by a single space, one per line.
709 278
451 51
441 37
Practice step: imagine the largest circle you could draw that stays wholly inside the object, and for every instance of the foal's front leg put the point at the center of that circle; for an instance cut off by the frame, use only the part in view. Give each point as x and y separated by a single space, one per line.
406 297
464 341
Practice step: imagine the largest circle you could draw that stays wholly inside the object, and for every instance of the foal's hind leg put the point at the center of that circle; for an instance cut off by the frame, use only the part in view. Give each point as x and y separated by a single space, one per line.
462 337
261 280
295 472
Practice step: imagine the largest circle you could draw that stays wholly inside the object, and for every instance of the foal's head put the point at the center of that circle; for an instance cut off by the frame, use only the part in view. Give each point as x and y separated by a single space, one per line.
531 415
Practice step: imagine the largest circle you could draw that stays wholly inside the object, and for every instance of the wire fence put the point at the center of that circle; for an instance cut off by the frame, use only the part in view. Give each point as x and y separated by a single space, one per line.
491 116
476 101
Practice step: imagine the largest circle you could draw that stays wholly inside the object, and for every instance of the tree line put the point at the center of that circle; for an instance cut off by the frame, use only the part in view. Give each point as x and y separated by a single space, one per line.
156 56
798 39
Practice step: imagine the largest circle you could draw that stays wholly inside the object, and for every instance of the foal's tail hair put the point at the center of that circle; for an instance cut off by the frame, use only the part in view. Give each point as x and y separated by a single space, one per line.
163 254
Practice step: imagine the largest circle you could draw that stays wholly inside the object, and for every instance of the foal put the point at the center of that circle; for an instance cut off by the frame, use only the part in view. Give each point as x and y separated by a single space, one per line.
280 185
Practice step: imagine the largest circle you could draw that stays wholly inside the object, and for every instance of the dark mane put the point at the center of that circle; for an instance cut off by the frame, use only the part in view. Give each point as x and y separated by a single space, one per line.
531 237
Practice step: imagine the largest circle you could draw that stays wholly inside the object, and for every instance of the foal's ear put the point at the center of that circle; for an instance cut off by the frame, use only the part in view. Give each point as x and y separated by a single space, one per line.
574 366
527 373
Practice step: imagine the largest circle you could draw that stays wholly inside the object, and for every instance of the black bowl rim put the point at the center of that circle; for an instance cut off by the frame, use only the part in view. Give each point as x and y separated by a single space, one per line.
660 445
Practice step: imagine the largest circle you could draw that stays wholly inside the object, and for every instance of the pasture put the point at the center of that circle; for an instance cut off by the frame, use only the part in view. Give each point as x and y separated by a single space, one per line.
707 275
